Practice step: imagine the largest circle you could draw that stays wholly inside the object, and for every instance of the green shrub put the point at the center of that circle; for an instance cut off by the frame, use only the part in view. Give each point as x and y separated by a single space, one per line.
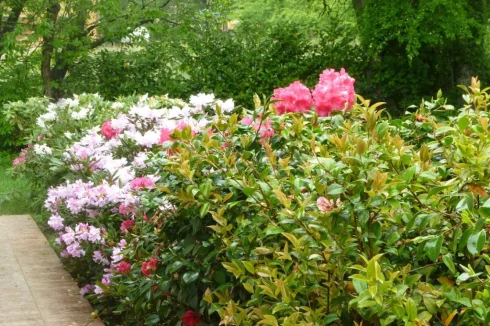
229 64
288 219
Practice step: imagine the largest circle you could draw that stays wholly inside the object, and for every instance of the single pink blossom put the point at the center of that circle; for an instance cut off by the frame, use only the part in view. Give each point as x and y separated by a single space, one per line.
107 131
127 225
126 210
294 98
334 92
124 267
143 182
325 205
149 266
165 135
247 121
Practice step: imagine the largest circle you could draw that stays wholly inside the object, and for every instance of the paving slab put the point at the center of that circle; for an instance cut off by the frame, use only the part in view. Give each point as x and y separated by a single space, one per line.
35 290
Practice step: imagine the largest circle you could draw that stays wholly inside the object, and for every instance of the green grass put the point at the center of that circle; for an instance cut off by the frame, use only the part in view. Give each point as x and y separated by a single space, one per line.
15 196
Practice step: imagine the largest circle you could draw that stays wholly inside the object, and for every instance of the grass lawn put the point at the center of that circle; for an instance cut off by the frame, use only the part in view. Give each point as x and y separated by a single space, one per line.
14 194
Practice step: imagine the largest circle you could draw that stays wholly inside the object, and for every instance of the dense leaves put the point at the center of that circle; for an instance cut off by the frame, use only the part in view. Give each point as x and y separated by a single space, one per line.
338 220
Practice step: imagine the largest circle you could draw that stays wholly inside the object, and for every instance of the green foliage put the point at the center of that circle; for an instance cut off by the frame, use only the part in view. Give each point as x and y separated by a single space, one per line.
403 241
15 194
21 119
417 47
349 219
228 64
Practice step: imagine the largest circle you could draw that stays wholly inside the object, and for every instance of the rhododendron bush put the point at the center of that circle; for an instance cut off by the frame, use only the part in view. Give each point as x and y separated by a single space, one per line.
308 209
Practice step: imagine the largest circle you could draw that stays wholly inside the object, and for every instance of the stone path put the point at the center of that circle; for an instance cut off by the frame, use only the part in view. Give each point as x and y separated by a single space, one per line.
34 288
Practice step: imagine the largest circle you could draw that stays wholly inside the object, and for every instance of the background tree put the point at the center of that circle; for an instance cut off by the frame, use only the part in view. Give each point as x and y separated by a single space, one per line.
415 48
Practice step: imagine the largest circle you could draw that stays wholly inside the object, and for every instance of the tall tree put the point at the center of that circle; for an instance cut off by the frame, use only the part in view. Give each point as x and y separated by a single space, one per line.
74 28
418 46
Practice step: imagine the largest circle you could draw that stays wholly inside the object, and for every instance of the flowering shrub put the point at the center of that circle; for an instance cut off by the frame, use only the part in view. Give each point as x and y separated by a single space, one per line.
334 92
190 216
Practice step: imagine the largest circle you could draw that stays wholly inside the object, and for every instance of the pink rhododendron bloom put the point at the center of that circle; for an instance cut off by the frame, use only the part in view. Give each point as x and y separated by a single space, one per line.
294 98
127 225
247 121
142 182
149 266
75 250
334 92
124 267
165 135
107 131
264 127
56 222
126 210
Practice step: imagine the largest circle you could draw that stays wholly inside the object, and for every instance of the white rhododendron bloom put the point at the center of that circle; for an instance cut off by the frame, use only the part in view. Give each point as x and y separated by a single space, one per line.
201 100
42 150
226 106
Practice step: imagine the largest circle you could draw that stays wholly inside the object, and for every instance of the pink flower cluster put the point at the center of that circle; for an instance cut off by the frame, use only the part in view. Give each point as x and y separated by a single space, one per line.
143 182
262 126
149 266
334 92
72 239
84 197
294 98
107 160
107 131
21 158
327 205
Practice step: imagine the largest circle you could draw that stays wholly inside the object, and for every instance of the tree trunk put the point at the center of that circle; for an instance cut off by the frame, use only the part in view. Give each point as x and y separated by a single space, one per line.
47 52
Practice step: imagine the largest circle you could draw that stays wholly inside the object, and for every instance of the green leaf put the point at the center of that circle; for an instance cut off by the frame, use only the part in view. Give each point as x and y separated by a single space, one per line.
408 174
249 267
205 188
273 230
485 209
335 189
204 209
464 238
411 309
463 123
152 319
476 242
331 318
190 277
448 261
175 266
433 248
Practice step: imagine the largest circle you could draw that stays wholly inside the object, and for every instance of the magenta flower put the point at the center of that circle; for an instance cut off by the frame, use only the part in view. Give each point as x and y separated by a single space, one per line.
124 267
191 318
107 131
143 182
165 135
127 225
294 98
334 92
126 210
149 266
